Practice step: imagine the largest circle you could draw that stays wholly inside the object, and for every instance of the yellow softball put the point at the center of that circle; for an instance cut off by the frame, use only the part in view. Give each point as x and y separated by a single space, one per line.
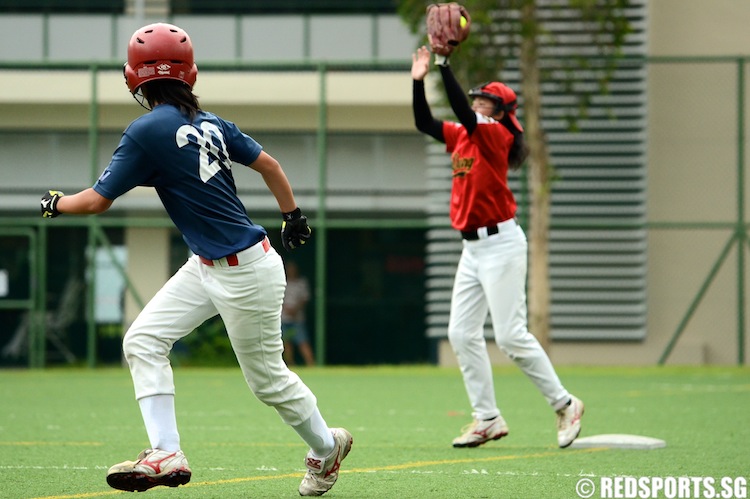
463 22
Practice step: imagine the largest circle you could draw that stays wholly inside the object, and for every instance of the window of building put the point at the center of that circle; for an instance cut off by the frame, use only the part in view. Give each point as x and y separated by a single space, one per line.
62 6
283 7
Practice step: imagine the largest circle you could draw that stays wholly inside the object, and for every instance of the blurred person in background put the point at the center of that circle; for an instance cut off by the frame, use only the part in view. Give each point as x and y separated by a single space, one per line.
293 318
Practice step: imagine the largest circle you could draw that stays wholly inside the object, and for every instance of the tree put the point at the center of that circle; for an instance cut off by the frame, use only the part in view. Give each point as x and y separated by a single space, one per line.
509 34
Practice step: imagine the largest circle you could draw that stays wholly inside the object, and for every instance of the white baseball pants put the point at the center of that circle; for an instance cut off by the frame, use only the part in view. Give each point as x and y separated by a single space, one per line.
491 275
248 296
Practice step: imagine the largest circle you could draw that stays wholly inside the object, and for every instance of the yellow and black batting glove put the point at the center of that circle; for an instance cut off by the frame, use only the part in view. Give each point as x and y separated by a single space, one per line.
49 203
294 229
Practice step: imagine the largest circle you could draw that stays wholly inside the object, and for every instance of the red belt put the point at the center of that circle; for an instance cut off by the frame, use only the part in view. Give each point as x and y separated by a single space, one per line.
232 260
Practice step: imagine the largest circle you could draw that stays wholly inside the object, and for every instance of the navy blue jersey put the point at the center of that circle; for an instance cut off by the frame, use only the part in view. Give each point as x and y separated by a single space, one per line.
189 165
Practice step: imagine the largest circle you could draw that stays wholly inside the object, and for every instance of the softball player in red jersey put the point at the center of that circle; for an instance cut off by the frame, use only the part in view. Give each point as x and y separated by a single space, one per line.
187 154
491 274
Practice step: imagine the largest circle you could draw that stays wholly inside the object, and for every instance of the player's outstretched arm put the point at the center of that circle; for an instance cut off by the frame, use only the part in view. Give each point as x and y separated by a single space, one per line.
458 101
423 119
420 63
86 202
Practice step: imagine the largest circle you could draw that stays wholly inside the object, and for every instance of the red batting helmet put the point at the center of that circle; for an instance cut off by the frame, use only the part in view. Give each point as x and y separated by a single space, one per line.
502 95
160 52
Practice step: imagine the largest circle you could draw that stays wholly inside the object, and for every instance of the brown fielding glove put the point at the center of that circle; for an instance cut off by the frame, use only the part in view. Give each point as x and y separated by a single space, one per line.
445 27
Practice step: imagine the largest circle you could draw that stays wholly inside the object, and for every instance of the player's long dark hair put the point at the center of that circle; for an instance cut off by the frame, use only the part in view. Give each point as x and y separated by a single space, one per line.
519 151
171 92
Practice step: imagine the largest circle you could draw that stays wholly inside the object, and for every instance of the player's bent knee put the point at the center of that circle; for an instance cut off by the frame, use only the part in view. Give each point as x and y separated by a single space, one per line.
460 341
137 345
521 344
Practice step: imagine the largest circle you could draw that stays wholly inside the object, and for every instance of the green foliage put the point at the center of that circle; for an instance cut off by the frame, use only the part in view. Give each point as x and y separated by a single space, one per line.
207 346
479 58
499 30
607 22
109 330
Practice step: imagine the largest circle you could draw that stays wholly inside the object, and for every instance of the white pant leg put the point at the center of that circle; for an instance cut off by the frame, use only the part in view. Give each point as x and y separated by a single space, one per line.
248 298
503 261
466 335
178 308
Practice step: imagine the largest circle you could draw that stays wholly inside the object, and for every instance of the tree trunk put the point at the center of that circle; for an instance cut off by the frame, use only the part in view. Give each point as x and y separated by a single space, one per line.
539 181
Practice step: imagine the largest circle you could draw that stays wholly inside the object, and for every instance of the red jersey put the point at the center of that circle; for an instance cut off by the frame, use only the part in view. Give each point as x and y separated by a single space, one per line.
480 195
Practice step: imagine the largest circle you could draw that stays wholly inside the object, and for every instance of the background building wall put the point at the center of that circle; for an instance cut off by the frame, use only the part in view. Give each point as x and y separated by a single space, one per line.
692 135
692 177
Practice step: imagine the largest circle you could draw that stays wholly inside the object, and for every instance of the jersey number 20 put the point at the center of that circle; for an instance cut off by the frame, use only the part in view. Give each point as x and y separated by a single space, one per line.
212 157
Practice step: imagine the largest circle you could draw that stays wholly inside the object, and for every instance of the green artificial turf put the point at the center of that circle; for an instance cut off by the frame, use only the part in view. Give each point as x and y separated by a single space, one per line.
61 429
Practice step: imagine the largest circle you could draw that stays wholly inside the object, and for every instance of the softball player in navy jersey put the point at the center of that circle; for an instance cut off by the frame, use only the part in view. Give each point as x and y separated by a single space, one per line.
491 274
186 154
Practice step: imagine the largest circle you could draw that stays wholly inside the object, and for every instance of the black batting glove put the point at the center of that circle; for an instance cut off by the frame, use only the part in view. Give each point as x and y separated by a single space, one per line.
294 230
49 203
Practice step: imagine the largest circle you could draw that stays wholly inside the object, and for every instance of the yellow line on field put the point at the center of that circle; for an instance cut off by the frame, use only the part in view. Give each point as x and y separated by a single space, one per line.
416 464
87 494
40 444
688 389
420 464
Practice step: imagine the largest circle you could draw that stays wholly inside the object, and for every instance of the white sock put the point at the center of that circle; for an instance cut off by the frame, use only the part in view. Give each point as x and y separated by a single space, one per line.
316 434
161 423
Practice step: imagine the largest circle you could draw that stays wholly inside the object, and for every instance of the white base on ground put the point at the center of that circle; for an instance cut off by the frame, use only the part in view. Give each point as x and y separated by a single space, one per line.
618 441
